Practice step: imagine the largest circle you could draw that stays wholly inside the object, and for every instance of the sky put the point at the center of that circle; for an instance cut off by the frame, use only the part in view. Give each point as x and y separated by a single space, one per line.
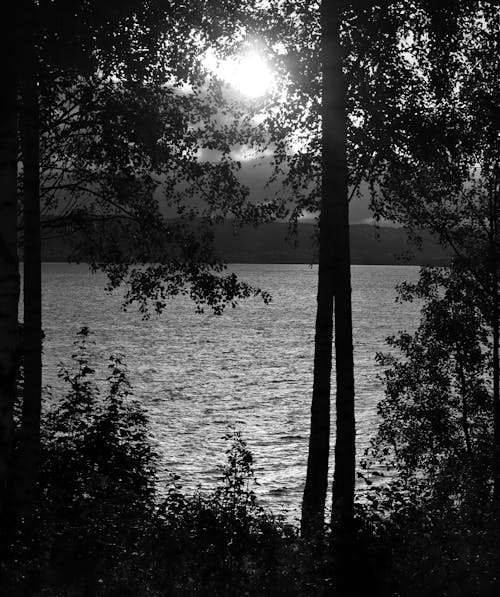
249 77
254 175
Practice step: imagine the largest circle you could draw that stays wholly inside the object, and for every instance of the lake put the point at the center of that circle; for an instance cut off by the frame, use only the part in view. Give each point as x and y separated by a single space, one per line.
251 367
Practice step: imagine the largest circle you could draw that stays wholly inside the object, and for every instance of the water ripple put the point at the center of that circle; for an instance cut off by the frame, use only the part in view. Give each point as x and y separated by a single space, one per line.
251 367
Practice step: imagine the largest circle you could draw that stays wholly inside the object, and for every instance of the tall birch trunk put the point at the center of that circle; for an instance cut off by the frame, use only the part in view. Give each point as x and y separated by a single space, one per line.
9 265
342 521
495 328
496 395
336 161
30 428
333 282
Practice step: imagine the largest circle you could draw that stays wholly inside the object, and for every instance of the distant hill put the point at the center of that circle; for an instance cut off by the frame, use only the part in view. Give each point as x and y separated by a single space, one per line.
268 244
369 246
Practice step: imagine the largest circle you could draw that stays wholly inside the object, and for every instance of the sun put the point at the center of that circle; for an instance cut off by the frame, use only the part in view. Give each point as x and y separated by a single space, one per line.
249 73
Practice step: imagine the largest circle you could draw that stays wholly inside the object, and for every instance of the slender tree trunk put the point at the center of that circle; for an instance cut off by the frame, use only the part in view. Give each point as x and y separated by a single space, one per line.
333 281
313 502
30 429
495 325
336 127
496 405
9 266
496 401
463 394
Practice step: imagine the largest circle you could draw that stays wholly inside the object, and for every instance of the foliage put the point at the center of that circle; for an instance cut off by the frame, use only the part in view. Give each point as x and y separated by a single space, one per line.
186 131
222 540
137 174
439 422
101 528
433 516
96 485
137 146
437 407
381 80
422 543
91 441
444 176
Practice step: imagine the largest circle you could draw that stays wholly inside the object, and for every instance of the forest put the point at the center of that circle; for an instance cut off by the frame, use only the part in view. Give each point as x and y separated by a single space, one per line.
127 131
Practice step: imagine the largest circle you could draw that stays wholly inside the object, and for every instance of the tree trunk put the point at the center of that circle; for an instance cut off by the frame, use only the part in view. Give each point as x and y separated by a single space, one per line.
495 324
30 429
9 266
345 442
333 281
496 398
345 462
459 359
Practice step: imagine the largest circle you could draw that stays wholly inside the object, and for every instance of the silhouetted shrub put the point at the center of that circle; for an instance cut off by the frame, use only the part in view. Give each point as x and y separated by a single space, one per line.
433 516
102 530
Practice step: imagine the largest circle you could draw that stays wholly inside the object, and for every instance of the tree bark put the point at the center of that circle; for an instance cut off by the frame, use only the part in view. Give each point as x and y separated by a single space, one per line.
30 428
495 327
459 359
496 403
333 281
9 265
336 161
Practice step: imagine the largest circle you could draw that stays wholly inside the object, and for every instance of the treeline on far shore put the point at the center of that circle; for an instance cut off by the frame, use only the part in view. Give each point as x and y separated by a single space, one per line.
273 243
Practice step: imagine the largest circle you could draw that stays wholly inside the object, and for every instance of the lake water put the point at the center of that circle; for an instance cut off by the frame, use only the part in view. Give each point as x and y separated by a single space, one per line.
251 367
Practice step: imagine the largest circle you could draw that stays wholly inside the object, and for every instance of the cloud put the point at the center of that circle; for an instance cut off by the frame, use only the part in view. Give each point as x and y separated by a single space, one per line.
255 173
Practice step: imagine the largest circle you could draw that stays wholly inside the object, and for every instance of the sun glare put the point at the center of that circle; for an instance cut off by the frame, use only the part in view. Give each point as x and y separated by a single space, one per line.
249 73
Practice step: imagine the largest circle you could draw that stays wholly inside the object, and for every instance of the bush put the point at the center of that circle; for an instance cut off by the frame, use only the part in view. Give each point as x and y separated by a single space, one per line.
222 542
101 529
96 485
435 517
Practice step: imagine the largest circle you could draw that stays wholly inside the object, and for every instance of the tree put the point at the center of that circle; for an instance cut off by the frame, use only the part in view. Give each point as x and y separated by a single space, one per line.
131 167
435 424
27 461
302 165
386 96
9 269
365 129
127 50
447 180
434 439
333 281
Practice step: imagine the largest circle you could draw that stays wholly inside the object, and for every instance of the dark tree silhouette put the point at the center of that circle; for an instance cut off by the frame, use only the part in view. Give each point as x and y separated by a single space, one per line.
9 268
333 281
335 161
27 461
447 179
435 418
339 148
132 190
131 48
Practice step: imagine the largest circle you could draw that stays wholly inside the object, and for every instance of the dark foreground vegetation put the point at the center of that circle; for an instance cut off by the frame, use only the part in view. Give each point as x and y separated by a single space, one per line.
112 128
101 527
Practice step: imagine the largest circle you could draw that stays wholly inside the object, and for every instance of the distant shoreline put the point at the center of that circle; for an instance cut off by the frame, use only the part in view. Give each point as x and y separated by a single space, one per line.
267 244
437 264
